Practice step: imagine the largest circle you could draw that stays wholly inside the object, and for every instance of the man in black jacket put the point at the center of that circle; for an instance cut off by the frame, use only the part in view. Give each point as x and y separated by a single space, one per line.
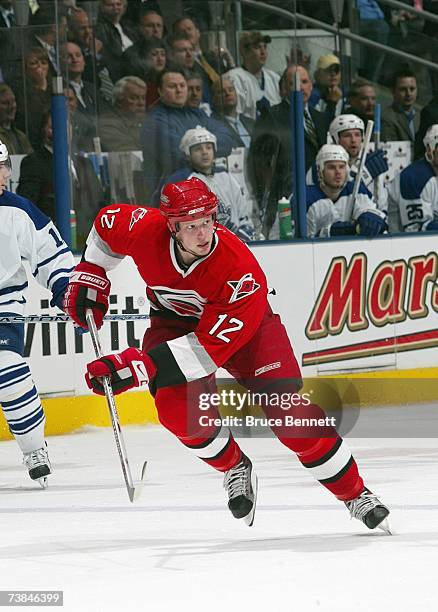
115 35
270 162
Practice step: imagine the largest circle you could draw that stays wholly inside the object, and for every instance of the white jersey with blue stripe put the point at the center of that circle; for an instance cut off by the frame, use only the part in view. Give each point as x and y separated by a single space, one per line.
27 234
373 185
322 212
413 195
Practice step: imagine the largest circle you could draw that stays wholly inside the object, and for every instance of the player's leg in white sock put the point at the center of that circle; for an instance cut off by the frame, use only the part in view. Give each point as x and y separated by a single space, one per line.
22 408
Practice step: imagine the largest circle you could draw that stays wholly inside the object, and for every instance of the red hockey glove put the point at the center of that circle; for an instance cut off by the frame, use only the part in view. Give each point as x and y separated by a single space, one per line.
128 369
89 287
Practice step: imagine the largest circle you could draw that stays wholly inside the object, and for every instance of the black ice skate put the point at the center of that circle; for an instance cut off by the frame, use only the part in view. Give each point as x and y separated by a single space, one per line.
38 464
241 484
368 509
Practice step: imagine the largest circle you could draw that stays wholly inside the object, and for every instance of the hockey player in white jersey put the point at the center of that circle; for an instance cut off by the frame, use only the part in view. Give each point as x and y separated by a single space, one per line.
328 202
235 207
348 131
26 234
413 194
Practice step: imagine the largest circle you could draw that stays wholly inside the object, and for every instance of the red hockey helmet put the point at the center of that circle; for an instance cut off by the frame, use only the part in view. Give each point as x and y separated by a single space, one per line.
186 201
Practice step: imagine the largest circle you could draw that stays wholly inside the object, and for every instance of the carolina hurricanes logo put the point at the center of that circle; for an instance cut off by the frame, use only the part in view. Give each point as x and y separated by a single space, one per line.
186 303
243 287
136 215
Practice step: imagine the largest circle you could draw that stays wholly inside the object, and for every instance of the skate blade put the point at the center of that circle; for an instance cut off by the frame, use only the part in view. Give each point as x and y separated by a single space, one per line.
44 483
249 518
385 526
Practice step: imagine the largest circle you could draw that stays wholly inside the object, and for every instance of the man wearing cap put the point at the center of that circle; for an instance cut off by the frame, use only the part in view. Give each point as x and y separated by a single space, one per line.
327 95
257 87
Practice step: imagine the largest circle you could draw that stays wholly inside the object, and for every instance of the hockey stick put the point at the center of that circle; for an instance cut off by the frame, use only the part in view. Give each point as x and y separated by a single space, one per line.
46 318
377 119
366 141
133 492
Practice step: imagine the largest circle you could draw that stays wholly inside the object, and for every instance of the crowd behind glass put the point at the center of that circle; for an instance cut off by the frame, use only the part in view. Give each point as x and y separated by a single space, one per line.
141 77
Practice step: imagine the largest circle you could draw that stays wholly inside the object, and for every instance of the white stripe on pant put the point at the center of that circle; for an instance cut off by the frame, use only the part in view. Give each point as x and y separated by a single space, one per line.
20 402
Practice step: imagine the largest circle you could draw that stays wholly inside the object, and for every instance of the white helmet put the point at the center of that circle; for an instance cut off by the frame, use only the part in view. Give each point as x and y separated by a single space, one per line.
4 155
345 122
194 137
431 140
330 152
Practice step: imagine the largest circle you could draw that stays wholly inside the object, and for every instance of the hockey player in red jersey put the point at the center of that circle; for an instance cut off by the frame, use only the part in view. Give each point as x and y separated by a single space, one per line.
208 309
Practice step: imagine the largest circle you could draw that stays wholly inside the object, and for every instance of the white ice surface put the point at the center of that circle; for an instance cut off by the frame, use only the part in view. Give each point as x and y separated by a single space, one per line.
178 549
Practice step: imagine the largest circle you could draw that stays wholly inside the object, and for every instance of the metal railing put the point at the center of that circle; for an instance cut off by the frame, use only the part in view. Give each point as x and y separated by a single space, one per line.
342 33
410 9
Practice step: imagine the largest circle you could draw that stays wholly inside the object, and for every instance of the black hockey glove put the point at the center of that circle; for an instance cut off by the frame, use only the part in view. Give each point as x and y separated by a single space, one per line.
432 226
343 228
376 163
371 224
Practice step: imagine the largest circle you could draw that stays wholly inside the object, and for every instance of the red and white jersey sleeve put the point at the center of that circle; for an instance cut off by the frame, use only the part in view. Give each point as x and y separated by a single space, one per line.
114 233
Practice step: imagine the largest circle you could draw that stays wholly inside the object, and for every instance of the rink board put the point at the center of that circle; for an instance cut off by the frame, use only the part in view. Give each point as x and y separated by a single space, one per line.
359 309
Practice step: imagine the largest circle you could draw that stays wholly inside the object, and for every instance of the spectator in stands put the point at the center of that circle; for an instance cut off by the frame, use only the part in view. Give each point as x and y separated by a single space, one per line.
136 8
82 126
362 100
194 98
372 25
36 183
15 140
257 87
157 60
34 95
73 60
328 209
270 161
165 125
235 209
327 94
225 109
9 54
116 38
136 60
413 194
182 54
7 14
400 121
46 33
348 131
80 32
145 60
119 128
187 26
150 23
